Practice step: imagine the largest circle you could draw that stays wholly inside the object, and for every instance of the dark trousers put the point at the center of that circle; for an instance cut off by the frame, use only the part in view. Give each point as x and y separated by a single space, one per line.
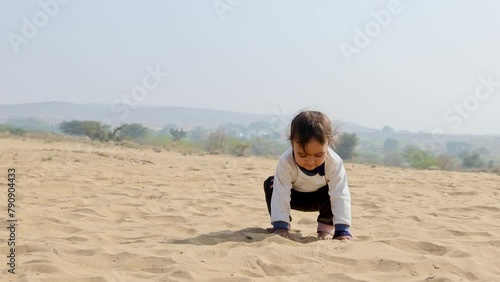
305 201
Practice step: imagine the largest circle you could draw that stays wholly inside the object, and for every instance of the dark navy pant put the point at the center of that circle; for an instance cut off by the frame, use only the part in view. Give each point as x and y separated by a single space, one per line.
305 201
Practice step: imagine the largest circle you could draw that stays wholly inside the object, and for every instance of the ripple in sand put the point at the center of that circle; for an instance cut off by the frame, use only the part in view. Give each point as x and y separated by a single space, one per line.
417 247
43 268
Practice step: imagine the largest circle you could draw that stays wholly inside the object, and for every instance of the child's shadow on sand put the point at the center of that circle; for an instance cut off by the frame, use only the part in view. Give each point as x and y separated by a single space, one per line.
247 235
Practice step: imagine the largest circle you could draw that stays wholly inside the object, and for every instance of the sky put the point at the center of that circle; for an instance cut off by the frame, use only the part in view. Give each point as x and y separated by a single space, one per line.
425 65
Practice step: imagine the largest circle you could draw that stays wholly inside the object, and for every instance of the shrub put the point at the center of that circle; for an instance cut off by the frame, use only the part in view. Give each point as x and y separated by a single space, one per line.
346 144
418 158
215 141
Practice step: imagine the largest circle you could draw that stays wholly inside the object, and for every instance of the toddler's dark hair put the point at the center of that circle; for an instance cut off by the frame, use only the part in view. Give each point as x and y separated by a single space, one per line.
309 125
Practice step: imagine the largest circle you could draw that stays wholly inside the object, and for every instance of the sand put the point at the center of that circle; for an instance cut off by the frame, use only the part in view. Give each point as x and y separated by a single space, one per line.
111 213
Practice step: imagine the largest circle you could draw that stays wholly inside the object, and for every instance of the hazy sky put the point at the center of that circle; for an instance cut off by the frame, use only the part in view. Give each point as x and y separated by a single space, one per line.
415 65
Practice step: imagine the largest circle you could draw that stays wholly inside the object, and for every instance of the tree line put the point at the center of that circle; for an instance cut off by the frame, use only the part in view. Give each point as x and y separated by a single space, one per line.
215 142
228 139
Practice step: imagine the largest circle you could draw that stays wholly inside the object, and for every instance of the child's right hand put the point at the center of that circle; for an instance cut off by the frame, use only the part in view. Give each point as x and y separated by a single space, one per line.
283 233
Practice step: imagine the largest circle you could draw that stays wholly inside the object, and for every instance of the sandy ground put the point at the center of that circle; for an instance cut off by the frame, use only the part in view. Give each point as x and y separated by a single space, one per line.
110 213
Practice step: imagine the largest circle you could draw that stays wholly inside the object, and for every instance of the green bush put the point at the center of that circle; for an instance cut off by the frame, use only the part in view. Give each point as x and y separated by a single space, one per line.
472 160
133 132
178 134
215 141
92 129
418 158
346 144
12 130
267 147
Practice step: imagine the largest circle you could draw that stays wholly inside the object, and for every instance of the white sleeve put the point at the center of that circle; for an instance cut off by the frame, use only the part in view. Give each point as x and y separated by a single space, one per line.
340 196
282 189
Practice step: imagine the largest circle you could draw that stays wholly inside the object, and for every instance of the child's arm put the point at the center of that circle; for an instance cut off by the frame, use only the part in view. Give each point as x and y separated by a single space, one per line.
340 198
280 202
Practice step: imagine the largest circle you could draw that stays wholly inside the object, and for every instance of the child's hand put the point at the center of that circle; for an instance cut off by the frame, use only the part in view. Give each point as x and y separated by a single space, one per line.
283 233
342 235
343 238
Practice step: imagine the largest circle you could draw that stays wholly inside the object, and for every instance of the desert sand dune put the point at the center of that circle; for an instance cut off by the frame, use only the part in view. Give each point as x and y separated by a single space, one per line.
107 213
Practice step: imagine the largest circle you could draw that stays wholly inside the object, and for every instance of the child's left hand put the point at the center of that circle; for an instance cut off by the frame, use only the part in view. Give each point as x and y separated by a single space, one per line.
342 235
341 238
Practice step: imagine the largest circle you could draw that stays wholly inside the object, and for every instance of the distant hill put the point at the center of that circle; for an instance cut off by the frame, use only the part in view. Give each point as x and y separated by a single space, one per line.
149 116
154 117
345 126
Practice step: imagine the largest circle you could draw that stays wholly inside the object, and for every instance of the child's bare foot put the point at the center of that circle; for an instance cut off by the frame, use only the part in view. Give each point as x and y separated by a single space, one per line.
325 231
322 235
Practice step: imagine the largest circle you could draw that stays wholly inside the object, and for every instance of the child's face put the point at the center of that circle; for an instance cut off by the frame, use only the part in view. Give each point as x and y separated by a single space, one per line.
315 156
